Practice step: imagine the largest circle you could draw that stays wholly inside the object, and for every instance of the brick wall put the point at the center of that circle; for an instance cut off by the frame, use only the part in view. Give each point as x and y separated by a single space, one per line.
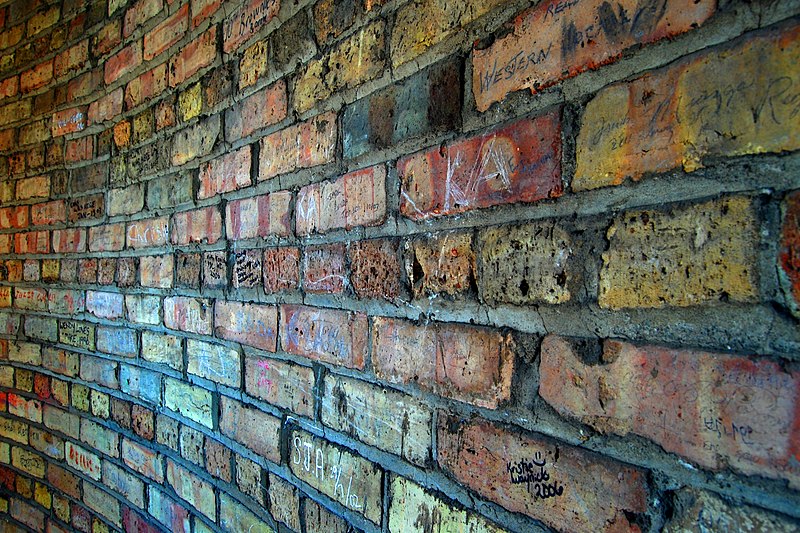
399 265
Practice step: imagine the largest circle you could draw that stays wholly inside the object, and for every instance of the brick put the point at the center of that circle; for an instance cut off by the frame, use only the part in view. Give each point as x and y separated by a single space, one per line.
101 405
218 460
188 314
5 297
226 173
190 102
89 177
193 57
104 304
15 430
319 520
12 36
133 522
139 13
15 217
146 86
63 480
15 111
78 334
441 264
42 20
282 384
30 299
167 512
141 383
540 52
259 216
46 213
36 132
253 428
124 62
218 86
215 269
167 33
36 187
246 269
253 65
670 118
86 207
332 18
415 509
327 335
189 487
81 519
250 324
467 363
80 397
168 432
356 199
31 270
165 113
106 268
27 514
284 502
121 413
107 238
87 271
68 121
106 108
103 504
10 86
100 371
789 250
379 417
188 269
127 273
83 460
586 492
99 438
324 269
199 225
191 445
281 267
191 401
24 408
143 460
148 232
118 341
76 150
159 348
357 59
51 270
517 163
122 134
41 386
169 191
107 38
124 483
246 21
349 479
36 77
534 261
71 60
48 444
236 517
704 511
720 410
195 141
279 154
143 422
83 85
203 9
259 110
60 361
127 201
215 362
688 256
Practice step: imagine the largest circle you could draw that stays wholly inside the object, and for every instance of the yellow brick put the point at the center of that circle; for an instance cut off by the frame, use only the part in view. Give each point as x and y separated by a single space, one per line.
190 102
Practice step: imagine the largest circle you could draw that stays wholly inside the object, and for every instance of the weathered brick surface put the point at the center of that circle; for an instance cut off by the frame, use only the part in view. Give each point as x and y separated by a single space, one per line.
228 173
254 325
189 400
243 23
562 486
281 384
259 216
658 259
701 510
196 55
259 110
517 163
713 409
316 139
324 269
253 428
199 225
167 33
444 264
336 337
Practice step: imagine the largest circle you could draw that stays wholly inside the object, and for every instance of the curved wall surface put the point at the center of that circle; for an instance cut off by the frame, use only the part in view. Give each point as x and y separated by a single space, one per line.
393 265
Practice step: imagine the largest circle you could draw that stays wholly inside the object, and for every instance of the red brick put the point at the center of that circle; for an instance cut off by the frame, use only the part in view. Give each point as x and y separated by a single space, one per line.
8 139
32 242
324 268
86 207
142 459
151 83
81 149
106 108
166 33
282 384
87 270
253 428
196 55
520 162
259 110
9 87
37 77
259 216
188 314
48 213
199 225
581 491
139 13
376 271
250 324
557 40
72 240
281 268
123 62
72 59
226 173
68 121
714 409
107 238
304 145
203 9
107 38
789 252
157 271
15 217
133 523
356 199
148 232
143 421
327 335
43 19
218 460
64 481
246 269
467 363
247 21
84 84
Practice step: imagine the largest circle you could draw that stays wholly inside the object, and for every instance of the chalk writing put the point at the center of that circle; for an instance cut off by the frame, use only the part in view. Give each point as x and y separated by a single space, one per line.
323 337
77 120
533 473
83 460
338 474
147 234
263 380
